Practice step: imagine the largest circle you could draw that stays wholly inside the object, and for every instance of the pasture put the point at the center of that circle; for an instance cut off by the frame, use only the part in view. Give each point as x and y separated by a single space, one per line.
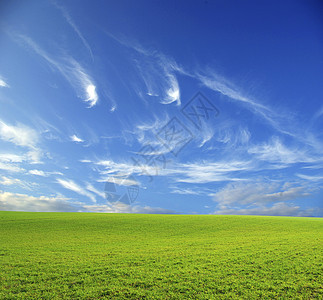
133 256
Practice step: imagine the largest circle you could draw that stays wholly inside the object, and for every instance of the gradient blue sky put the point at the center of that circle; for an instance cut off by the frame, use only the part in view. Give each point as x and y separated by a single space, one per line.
97 92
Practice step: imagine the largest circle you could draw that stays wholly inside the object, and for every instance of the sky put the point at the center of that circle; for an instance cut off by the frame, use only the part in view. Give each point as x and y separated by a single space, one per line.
185 107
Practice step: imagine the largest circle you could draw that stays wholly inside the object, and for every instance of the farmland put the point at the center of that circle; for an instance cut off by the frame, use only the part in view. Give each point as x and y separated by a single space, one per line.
133 256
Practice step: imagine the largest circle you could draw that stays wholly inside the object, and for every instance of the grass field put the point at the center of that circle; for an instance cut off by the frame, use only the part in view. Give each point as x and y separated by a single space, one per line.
119 256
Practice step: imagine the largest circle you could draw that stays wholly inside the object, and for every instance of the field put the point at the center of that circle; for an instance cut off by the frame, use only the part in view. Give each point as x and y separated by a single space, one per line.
125 256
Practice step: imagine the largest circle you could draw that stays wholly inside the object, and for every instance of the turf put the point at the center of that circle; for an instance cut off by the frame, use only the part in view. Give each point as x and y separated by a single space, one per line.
126 256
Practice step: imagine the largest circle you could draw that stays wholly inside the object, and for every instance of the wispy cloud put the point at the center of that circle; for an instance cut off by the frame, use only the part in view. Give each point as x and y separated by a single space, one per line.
262 198
310 177
276 152
23 136
43 173
198 172
207 171
75 138
70 21
71 185
3 83
9 181
156 72
23 202
119 180
277 209
11 167
124 208
69 68
185 191
94 190
257 193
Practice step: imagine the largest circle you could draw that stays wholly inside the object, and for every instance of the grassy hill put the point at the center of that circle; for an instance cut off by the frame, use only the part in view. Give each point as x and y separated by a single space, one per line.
125 256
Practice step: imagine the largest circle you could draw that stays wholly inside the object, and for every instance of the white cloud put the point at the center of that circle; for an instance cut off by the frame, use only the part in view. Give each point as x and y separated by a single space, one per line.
3 83
124 208
173 93
42 173
119 180
277 209
37 172
156 72
207 171
11 158
94 190
198 172
71 185
121 169
11 167
22 136
92 95
9 181
276 152
184 191
85 161
23 202
310 177
257 193
206 135
70 69
113 108
76 139
70 21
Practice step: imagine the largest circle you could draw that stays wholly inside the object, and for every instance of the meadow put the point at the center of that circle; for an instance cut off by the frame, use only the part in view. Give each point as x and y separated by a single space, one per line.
133 256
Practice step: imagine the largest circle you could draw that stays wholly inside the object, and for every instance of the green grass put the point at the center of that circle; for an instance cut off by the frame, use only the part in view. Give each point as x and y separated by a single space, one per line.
122 256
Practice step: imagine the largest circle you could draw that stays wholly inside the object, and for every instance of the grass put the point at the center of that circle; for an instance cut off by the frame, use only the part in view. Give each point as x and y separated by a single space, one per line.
125 256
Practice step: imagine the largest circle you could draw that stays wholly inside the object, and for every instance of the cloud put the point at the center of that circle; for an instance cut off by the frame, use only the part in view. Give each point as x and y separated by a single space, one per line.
310 177
121 169
276 152
277 209
23 202
9 181
120 180
124 208
69 68
92 95
3 83
197 172
42 173
94 190
11 167
11 158
257 193
173 93
210 79
207 171
37 172
185 191
71 185
206 135
76 139
70 21
156 73
22 136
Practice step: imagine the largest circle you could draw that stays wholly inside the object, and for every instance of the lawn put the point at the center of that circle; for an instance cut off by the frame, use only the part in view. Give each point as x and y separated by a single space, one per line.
133 256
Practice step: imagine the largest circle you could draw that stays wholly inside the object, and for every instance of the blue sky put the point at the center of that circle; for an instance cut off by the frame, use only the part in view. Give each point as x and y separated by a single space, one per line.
196 107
